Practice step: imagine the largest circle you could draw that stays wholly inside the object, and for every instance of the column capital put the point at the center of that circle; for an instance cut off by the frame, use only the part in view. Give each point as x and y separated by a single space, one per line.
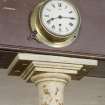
50 73
58 77
27 65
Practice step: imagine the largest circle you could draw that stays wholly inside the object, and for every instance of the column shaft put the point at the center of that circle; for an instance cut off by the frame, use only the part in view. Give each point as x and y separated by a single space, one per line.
51 87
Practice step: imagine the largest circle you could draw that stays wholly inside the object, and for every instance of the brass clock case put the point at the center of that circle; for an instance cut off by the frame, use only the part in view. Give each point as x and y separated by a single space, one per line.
45 36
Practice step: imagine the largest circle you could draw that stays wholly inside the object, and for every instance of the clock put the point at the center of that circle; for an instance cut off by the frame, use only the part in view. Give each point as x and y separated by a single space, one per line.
57 22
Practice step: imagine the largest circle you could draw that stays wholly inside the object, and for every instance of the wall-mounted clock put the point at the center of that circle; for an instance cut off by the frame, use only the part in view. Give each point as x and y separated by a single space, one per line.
56 22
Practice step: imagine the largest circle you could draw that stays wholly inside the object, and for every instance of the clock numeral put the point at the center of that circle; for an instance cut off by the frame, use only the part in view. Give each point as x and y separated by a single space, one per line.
71 24
67 29
49 10
53 5
48 21
60 25
59 5
70 12
66 7
53 26
60 30
46 15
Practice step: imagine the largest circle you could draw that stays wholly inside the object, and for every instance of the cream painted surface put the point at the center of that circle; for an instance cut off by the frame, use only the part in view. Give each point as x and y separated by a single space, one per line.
50 64
51 58
51 67
50 84
51 93
51 87
14 91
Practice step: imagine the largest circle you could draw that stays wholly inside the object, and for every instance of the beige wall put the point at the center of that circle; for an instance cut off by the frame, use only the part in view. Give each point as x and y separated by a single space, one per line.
14 91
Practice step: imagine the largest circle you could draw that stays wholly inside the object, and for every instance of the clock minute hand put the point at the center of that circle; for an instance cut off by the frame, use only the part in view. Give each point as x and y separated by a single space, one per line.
72 18
60 17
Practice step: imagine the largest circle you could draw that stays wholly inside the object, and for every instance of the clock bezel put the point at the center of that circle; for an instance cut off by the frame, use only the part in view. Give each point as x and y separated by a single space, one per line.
46 38
51 33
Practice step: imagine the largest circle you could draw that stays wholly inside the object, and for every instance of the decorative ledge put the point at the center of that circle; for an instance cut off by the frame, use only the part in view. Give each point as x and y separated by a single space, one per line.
26 65
50 73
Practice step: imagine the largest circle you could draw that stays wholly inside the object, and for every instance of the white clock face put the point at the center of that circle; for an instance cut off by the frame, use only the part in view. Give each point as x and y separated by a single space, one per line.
59 17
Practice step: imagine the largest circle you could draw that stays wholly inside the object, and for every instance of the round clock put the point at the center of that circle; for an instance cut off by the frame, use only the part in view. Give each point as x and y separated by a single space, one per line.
57 22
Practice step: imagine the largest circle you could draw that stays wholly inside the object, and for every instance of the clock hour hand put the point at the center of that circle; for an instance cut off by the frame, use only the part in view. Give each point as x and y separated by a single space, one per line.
51 19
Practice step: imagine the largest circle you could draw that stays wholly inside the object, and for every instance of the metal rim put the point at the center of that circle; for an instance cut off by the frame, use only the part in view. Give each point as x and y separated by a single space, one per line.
49 39
67 35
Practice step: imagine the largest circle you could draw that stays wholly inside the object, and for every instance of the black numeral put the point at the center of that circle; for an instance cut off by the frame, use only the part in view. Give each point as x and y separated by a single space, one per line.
53 26
53 5
70 12
46 15
59 5
48 9
60 30
66 7
67 29
71 24
60 25
48 21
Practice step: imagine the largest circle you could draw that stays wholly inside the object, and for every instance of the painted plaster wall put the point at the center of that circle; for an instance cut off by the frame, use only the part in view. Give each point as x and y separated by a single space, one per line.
14 91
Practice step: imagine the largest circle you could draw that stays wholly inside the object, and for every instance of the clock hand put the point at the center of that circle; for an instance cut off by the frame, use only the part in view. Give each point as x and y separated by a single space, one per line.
51 19
69 18
60 17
